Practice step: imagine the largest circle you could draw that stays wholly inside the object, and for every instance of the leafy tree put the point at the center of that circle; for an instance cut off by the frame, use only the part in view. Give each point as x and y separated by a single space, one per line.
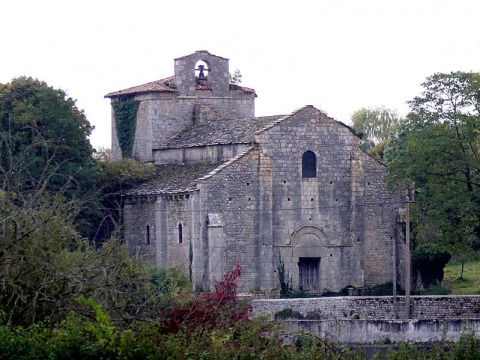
436 148
43 132
374 125
44 149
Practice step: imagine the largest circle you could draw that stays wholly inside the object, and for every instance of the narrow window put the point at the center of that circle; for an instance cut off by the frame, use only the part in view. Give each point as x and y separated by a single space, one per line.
147 237
309 165
180 233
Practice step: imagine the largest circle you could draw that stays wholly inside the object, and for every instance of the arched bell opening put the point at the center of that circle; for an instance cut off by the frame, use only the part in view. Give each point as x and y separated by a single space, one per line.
202 71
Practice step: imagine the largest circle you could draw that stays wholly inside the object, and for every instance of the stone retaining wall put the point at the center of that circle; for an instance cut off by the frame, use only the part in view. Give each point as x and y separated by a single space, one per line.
368 320
374 308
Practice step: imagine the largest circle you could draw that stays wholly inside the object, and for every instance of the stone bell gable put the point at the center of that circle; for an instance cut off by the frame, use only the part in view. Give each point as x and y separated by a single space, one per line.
210 72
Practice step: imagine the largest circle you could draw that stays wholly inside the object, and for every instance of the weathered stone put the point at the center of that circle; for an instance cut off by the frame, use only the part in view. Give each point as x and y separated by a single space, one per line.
241 193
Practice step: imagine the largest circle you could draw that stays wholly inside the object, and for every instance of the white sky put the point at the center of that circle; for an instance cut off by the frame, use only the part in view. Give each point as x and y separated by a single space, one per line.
338 55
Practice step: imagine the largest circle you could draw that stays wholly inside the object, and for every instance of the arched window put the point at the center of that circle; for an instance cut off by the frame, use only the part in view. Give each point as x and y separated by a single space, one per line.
147 236
309 165
180 233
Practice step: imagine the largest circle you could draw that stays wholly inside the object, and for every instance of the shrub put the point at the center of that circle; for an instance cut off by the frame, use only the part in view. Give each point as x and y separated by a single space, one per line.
435 289
430 259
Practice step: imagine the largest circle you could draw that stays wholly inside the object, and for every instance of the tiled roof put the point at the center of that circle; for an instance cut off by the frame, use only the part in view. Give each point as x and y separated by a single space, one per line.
163 85
174 178
216 132
167 85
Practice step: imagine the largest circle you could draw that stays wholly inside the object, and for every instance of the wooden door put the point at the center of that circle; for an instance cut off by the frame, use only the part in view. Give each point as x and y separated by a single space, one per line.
309 271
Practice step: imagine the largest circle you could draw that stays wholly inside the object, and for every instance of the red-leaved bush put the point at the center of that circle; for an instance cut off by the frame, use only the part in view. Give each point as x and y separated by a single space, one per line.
216 309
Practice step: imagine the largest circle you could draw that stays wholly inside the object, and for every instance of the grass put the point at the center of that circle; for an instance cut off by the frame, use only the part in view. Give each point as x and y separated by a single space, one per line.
469 285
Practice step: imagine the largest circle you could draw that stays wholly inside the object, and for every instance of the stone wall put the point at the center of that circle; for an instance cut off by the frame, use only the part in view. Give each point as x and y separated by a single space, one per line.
374 308
387 331
217 74
233 193
160 216
199 154
269 212
139 215
162 115
372 319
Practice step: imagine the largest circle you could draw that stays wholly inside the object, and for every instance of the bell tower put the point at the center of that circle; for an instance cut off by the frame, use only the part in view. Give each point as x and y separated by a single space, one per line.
202 71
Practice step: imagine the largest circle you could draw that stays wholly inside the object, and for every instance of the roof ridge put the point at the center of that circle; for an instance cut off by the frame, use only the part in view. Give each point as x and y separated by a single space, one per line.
283 118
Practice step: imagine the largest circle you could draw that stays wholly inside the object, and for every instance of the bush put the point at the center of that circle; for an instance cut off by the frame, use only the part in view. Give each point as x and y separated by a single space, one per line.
430 260
435 289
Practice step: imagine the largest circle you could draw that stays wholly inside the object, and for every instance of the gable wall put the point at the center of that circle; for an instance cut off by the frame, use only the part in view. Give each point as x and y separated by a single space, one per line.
323 202
358 243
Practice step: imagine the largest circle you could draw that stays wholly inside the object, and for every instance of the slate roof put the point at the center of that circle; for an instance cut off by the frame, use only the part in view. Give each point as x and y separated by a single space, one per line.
174 178
167 85
216 132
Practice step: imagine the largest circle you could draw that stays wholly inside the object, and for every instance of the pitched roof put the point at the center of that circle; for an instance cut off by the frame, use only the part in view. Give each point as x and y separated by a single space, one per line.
216 132
167 85
174 178
163 85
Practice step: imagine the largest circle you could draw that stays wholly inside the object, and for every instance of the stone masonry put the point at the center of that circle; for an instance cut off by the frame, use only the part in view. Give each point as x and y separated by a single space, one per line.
288 190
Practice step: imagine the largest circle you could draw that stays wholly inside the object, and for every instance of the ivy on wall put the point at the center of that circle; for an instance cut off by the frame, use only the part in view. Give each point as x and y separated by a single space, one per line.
125 110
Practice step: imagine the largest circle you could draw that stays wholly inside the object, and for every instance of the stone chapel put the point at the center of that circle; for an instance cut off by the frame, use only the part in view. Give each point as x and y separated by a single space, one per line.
289 190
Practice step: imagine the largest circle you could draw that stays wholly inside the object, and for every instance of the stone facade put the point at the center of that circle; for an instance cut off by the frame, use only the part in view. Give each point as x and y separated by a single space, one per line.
290 190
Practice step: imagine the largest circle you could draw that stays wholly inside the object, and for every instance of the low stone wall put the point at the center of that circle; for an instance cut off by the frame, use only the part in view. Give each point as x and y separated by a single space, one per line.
374 307
368 320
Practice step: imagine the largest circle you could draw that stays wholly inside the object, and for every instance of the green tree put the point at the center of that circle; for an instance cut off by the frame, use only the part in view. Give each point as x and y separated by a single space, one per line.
44 148
436 147
43 132
374 125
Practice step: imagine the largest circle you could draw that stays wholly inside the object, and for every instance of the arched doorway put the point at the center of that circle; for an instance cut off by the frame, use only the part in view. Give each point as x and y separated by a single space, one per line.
308 251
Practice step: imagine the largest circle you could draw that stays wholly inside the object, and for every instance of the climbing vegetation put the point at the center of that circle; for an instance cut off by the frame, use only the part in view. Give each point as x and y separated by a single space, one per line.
125 110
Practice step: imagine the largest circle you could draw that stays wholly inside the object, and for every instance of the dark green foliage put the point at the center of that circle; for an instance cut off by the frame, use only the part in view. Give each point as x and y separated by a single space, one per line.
125 110
45 152
45 266
382 290
43 140
288 314
430 260
435 288
436 147
284 279
342 292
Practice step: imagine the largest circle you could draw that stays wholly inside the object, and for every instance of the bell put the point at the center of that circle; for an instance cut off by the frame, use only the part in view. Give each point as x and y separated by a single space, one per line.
201 75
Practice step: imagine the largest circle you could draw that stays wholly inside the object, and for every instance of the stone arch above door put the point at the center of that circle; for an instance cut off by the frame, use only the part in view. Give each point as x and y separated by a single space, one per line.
308 242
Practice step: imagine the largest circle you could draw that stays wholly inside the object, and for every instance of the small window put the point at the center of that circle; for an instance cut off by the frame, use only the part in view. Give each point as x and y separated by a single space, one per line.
147 236
180 233
309 165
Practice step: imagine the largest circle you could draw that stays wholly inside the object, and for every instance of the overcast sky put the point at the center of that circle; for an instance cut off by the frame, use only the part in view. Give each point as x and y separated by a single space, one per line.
336 55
